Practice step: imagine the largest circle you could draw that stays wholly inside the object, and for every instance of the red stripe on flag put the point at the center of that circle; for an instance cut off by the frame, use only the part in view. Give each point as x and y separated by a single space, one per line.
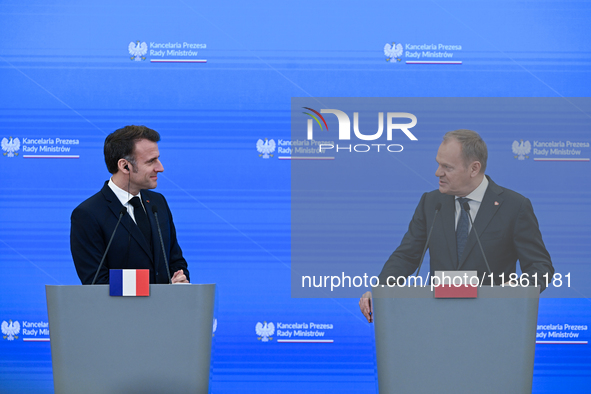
142 283
451 291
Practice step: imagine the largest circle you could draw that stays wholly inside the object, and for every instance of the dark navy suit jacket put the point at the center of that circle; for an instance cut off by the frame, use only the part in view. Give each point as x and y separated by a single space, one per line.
92 224
506 224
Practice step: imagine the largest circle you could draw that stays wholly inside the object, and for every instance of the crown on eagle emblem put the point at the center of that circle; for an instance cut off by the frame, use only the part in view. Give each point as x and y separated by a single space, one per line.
265 331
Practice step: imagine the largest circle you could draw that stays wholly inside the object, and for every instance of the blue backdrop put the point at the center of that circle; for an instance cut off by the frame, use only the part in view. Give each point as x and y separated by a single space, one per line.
215 77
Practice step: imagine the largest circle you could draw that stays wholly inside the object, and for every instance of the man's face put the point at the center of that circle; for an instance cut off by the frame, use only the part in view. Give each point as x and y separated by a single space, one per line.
144 174
454 177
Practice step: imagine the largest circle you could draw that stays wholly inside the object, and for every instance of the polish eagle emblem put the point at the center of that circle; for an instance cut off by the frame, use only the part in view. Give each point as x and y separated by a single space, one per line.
265 148
10 329
393 51
137 50
265 331
10 147
521 150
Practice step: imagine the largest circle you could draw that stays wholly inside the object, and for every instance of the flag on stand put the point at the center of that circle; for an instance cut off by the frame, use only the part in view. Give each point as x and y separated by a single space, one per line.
455 284
129 283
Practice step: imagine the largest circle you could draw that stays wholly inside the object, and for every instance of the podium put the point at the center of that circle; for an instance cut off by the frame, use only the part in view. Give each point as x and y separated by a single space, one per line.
479 345
155 344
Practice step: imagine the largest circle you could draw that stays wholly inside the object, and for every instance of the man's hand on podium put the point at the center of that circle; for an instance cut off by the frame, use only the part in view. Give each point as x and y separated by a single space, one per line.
179 277
366 307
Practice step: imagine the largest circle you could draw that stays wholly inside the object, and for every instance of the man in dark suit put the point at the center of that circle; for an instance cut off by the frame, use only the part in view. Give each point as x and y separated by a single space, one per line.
132 156
504 220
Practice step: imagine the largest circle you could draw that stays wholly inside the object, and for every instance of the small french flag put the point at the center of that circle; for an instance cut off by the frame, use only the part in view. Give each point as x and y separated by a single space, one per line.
129 283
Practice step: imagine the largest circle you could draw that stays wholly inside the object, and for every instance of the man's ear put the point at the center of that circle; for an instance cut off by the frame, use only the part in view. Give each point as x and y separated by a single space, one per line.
123 166
475 168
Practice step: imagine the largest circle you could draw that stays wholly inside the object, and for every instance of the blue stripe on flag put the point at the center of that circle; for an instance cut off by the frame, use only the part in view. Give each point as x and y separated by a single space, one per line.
116 282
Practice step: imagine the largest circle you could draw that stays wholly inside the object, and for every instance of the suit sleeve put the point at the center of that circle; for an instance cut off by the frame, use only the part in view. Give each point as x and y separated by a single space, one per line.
531 251
87 245
176 259
405 259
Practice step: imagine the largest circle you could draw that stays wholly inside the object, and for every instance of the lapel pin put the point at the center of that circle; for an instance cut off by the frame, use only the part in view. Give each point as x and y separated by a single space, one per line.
496 203
148 201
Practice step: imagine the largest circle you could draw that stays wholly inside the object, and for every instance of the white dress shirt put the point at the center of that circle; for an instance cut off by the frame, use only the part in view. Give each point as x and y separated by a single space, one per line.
124 197
475 199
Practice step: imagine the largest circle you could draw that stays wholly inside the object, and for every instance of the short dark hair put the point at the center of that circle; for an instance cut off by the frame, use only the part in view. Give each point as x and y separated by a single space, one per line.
120 144
473 146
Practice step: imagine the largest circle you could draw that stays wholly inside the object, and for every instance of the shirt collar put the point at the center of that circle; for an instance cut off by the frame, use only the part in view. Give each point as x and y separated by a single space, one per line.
478 193
121 194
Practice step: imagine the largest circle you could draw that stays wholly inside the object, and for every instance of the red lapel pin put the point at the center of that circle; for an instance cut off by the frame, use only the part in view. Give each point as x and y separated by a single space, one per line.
496 203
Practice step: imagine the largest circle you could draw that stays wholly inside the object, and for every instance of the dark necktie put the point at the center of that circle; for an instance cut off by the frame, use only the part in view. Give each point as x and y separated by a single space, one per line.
463 226
141 219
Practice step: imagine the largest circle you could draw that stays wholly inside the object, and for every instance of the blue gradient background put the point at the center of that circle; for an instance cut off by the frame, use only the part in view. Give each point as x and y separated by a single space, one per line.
65 72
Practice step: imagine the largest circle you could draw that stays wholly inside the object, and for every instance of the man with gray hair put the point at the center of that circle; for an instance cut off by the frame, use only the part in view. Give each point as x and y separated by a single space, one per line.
504 220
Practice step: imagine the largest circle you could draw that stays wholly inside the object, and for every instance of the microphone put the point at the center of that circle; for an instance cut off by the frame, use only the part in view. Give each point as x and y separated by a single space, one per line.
121 214
437 209
466 207
155 212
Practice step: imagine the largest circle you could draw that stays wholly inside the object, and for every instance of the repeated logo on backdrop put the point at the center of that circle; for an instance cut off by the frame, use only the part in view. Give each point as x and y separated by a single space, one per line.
26 330
295 332
138 50
554 151
423 53
10 147
264 331
41 147
393 51
266 148
521 150
10 330
166 52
